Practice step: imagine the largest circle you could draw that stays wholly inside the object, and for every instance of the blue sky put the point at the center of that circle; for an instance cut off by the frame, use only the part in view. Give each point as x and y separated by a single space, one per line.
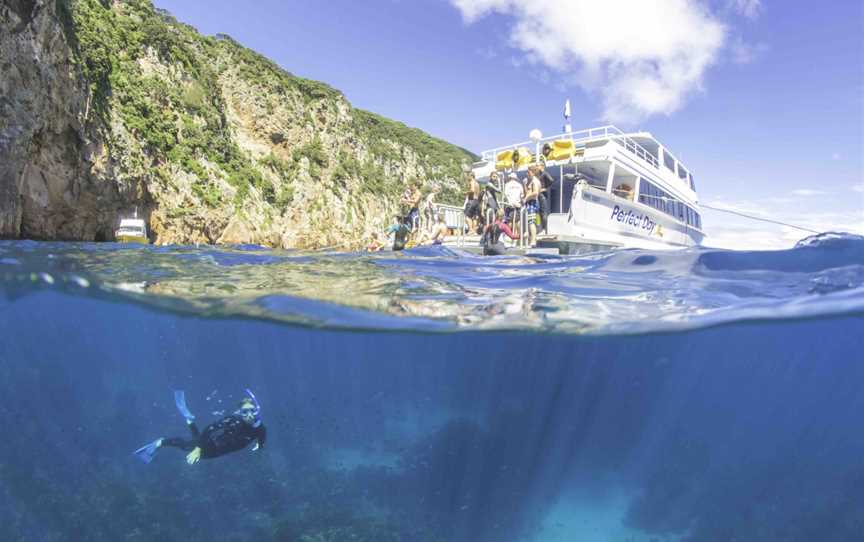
762 99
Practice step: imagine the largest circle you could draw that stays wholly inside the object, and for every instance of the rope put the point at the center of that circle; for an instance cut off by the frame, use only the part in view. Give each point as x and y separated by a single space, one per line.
739 213
751 217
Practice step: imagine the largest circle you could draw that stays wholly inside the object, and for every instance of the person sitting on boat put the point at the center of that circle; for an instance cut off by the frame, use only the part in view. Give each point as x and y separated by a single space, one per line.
491 240
532 207
439 230
513 195
230 434
472 203
624 190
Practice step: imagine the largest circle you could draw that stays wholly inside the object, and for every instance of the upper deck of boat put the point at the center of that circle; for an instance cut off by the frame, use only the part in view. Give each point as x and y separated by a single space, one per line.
644 154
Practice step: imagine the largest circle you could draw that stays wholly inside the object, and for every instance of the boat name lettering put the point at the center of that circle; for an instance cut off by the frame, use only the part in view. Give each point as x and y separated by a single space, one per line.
632 219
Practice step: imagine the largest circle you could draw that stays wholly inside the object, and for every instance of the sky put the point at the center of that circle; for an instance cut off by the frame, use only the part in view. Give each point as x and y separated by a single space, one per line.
763 100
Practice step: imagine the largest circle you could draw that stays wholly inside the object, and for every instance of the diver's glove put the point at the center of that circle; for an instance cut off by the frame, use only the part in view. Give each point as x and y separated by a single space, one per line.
193 456
255 446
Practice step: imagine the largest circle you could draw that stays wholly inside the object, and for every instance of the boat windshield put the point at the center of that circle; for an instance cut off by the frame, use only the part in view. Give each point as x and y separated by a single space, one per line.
130 230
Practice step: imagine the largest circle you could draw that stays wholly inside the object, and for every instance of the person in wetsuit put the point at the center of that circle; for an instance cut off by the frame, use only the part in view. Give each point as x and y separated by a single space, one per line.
491 240
229 434
547 184
400 233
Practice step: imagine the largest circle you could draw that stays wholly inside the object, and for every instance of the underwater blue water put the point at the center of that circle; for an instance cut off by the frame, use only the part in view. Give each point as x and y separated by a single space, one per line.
433 395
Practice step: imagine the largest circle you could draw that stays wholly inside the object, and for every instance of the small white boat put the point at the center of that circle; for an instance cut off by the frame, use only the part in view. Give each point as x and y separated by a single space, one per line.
610 189
132 230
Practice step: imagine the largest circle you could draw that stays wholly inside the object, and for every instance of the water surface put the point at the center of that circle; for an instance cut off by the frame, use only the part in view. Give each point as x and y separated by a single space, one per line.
436 396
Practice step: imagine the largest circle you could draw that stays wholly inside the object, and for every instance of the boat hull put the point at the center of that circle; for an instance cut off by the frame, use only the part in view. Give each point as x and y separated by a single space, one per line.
596 216
133 239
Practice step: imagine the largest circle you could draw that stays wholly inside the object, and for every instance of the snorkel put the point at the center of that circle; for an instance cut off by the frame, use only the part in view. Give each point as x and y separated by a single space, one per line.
251 415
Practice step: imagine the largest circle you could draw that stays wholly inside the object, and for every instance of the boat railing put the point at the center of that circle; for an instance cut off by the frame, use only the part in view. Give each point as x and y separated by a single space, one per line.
582 137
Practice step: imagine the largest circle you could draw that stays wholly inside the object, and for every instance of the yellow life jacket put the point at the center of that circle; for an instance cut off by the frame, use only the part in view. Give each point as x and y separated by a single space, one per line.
562 149
504 160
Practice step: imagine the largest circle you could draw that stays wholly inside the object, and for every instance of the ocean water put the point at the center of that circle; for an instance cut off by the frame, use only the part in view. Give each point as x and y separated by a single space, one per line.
432 395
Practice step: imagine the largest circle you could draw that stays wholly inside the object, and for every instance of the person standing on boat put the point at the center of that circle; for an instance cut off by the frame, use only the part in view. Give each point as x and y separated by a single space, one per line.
429 209
513 195
472 203
489 200
546 182
532 207
410 204
229 434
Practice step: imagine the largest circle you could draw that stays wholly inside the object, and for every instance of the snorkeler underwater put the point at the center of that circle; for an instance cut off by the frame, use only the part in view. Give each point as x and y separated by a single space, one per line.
229 434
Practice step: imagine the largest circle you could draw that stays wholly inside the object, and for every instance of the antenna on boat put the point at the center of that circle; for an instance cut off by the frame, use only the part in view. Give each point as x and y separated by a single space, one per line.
536 135
567 127
136 212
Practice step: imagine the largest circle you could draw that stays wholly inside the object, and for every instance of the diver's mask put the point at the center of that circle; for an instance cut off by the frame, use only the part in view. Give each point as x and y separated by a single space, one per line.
250 410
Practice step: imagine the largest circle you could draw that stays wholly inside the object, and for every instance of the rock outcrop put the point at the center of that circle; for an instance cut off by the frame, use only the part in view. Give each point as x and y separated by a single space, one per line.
110 106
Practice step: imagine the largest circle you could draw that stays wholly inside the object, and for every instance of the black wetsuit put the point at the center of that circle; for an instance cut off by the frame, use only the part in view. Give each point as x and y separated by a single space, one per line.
229 434
491 241
400 238
547 183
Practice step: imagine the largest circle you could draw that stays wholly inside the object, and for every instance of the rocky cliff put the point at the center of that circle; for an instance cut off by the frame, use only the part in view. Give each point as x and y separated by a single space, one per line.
108 106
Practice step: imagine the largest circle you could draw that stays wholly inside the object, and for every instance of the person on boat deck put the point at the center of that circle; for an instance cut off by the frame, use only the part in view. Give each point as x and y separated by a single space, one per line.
546 183
400 233
472 203
532 208
489 199
410 205
229 434
440 230
429 208
624 190
491 241
513 195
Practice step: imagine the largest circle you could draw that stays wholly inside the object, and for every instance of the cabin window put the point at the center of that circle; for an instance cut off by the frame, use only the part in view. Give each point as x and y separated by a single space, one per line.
595 182
668 161
692 182
659 199
624 183
647 193
682 173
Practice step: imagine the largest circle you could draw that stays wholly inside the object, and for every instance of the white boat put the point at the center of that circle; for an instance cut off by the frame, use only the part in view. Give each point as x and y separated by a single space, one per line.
610 188
132 230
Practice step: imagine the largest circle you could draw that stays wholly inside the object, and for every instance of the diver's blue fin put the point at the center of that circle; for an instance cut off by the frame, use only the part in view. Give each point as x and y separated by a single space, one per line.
147 452
180 401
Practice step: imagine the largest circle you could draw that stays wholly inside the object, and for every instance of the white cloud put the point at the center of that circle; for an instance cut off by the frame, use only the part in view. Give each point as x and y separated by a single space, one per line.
835 156
858 188
806 192
643 58
748 8
745 53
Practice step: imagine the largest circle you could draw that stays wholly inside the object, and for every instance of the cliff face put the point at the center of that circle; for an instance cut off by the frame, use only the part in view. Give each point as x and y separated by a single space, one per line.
105 107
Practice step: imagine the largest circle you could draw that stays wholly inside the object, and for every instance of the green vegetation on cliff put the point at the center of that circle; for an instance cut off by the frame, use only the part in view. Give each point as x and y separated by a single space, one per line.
245 136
